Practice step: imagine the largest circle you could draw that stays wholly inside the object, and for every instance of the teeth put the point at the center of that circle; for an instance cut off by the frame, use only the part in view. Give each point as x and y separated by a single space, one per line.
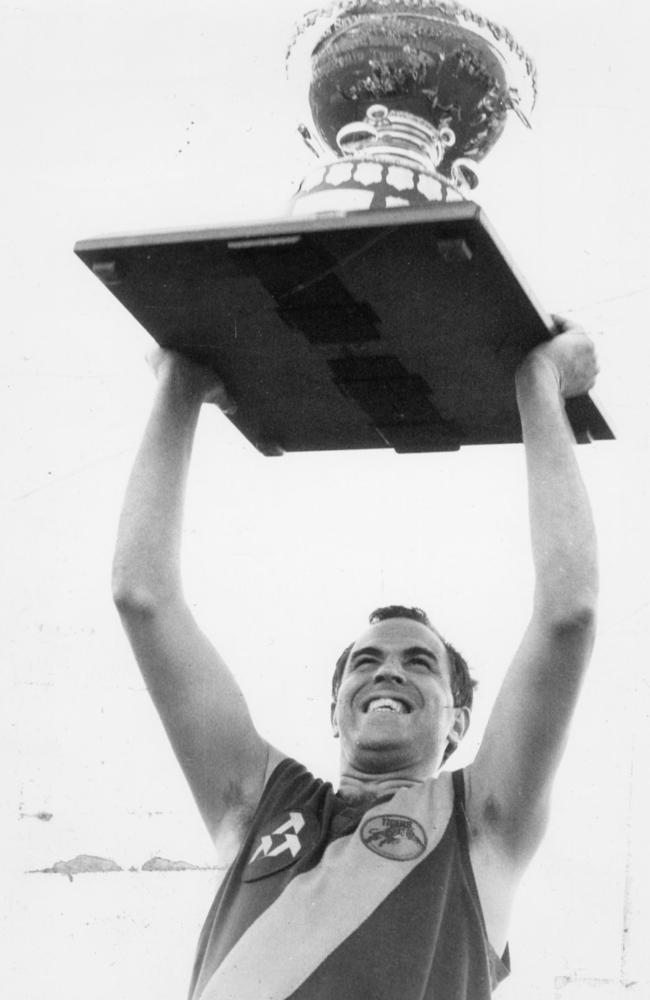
386 705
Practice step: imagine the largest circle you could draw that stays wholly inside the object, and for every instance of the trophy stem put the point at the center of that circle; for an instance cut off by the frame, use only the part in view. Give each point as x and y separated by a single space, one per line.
407 138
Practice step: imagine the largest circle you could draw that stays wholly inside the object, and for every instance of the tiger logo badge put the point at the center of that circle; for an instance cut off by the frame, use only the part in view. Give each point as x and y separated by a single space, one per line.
398 838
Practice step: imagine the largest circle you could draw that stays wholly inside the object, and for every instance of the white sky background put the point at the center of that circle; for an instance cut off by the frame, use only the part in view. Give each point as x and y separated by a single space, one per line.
126 117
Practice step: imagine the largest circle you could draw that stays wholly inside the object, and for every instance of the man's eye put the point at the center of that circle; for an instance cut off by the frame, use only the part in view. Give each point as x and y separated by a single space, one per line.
365 661
420 661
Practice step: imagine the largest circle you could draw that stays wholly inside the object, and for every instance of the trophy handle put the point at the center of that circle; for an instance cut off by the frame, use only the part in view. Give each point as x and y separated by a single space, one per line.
464 174
310 142
514 104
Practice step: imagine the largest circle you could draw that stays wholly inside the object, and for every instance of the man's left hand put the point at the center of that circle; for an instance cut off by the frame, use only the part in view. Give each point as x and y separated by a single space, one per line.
570 356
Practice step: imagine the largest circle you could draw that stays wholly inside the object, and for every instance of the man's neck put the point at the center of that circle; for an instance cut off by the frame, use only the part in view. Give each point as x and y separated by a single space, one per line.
360 787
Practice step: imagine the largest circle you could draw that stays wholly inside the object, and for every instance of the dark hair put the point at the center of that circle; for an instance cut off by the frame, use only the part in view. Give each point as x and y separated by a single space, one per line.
462 684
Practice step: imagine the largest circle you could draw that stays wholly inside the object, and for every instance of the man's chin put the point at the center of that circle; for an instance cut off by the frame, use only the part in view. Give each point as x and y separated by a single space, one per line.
378 727
378 752
385 728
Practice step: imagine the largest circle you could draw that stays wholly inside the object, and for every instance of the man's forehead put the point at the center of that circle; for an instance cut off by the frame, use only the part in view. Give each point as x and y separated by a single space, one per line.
400 632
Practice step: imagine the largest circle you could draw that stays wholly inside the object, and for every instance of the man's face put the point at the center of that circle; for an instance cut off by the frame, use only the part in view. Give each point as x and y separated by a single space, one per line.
395 707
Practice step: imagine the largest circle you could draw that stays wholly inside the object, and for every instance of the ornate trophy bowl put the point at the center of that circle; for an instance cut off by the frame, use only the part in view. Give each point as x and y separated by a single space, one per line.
420 85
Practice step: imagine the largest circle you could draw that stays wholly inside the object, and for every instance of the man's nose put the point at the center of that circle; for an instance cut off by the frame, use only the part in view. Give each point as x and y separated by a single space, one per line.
391 669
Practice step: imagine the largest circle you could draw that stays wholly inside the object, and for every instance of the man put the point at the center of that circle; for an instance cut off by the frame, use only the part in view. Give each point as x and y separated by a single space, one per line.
400 884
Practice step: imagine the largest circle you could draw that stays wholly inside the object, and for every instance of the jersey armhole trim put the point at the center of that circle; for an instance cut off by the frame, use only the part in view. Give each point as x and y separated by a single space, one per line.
274 759
499 965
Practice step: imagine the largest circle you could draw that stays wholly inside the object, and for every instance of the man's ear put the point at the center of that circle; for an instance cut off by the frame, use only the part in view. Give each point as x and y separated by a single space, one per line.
457 730
460 725
334 721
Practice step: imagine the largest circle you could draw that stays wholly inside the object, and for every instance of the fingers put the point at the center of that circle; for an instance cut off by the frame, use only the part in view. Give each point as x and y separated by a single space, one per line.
153 357
159 360
220 398
561 324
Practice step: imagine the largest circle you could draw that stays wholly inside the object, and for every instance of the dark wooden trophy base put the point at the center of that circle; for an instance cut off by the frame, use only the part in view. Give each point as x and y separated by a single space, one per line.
400 328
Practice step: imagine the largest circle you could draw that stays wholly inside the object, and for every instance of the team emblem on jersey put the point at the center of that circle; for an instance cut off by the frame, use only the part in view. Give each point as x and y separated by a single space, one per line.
399 838
278 845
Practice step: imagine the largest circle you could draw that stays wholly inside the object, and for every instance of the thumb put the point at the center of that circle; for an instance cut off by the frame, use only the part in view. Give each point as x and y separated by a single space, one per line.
218 395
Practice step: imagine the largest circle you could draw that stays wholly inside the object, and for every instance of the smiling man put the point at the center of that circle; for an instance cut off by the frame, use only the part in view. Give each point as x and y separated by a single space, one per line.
401 700
399 884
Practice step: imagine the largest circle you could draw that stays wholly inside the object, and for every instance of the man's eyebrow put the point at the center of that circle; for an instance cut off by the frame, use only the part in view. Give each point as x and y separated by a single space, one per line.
421 651
378 653
366 651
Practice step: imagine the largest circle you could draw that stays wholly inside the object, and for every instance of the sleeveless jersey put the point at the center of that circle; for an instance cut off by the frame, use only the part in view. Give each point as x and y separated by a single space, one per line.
328 898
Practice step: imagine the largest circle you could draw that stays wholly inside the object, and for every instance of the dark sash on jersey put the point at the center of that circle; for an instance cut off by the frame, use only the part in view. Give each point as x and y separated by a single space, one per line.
356 874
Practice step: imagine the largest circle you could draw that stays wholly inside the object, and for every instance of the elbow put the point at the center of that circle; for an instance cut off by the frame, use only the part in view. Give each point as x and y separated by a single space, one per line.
134 602
568 608
582 621
578 619
135 599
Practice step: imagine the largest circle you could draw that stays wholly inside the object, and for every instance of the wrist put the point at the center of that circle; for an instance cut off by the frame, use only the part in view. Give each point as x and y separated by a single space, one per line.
538 373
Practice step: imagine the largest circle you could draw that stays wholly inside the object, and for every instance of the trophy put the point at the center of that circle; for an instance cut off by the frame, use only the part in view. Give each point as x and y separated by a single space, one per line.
404 97
337 327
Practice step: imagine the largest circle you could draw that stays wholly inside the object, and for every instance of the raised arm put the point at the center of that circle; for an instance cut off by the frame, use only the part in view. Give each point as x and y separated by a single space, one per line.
510 780
199 702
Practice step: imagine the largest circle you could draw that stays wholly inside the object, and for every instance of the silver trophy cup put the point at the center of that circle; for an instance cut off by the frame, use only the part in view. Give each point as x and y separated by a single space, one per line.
404 97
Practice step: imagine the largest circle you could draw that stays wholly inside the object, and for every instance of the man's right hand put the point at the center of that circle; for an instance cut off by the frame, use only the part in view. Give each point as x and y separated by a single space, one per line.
196 379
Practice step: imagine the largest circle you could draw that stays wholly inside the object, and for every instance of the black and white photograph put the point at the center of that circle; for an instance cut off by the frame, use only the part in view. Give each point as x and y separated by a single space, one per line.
325 592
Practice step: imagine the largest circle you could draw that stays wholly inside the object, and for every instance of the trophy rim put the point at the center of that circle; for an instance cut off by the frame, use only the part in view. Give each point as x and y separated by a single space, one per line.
316 25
